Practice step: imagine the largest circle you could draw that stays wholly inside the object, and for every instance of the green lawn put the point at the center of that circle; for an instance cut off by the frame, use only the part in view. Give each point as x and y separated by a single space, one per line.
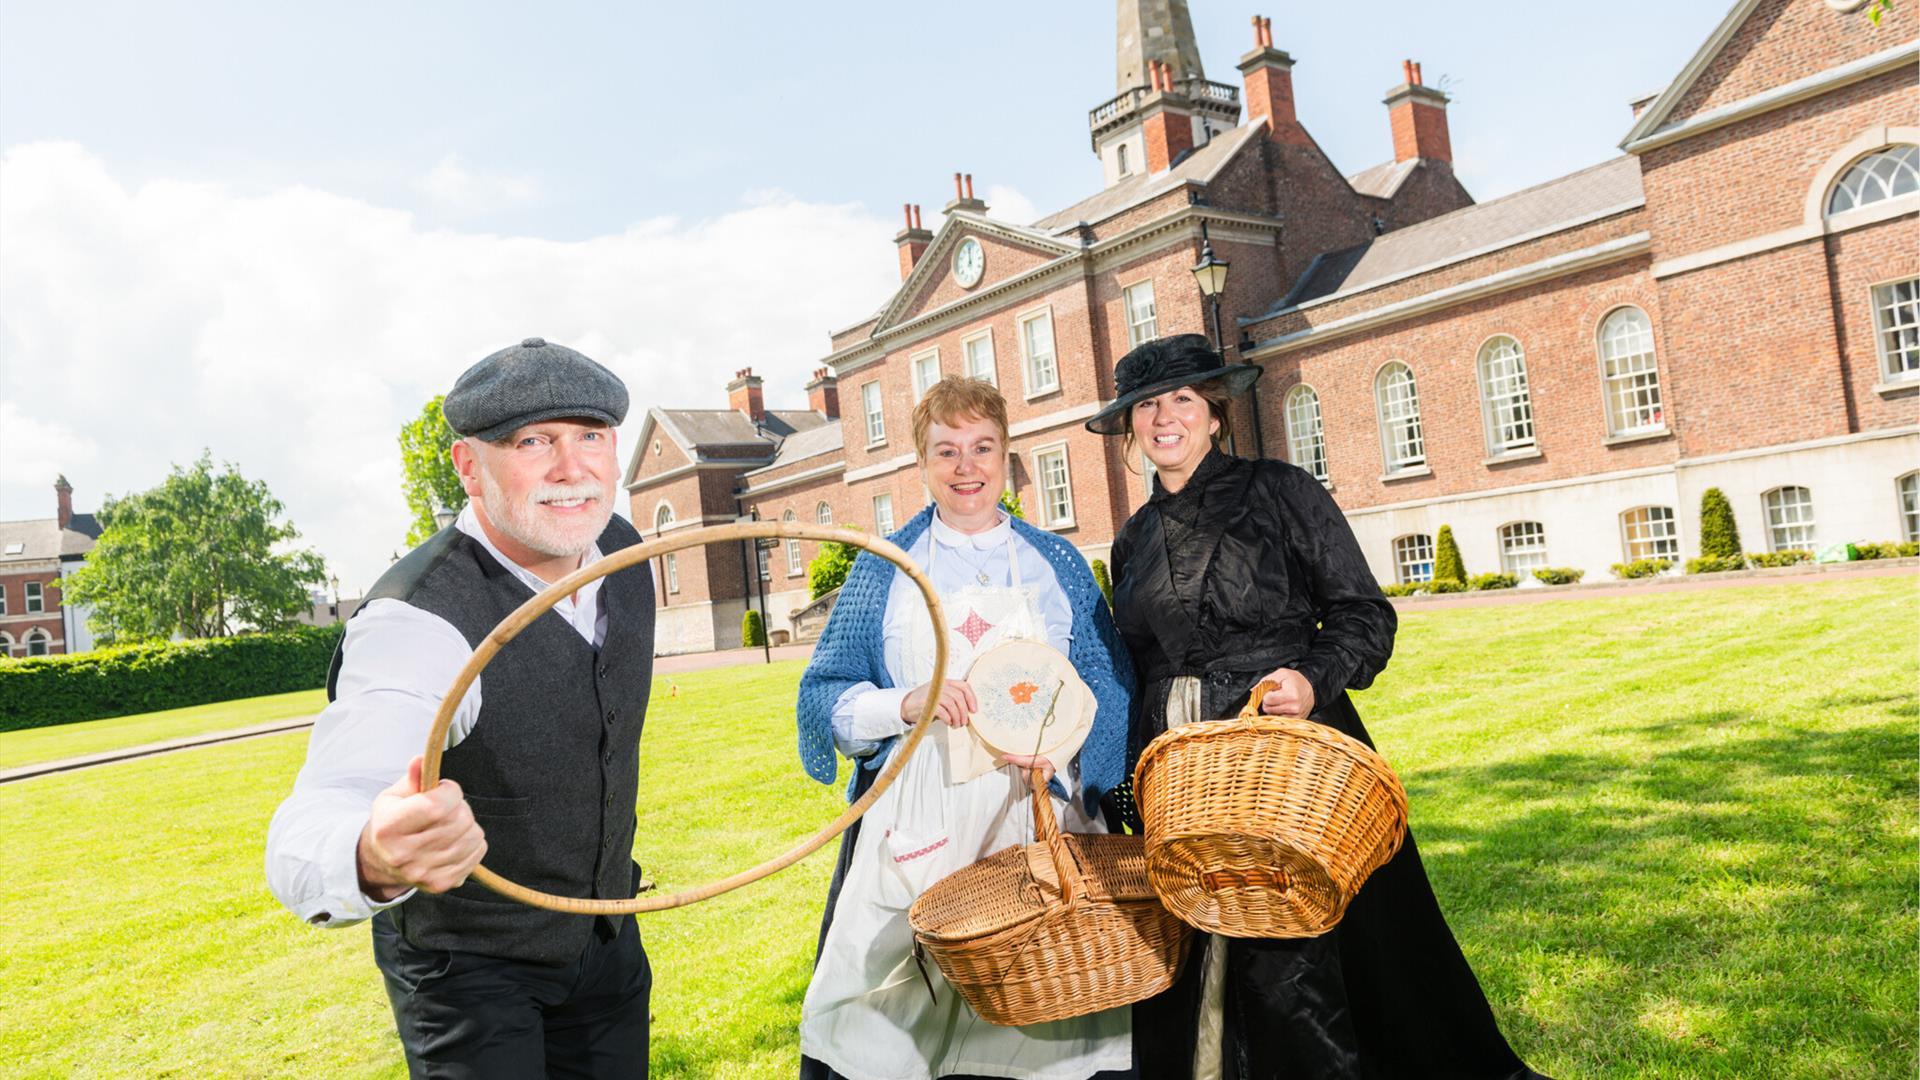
1675 834
35 745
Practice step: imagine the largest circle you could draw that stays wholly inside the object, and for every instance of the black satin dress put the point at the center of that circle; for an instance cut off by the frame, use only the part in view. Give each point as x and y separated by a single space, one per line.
1251 567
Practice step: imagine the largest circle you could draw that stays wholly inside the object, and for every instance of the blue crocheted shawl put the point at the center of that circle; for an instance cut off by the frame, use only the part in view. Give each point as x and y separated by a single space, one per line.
849 652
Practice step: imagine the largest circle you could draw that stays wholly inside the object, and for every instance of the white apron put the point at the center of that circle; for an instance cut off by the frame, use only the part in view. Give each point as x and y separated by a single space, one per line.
867 1012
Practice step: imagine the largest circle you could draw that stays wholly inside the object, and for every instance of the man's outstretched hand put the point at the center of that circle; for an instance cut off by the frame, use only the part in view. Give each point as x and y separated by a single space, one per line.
417 839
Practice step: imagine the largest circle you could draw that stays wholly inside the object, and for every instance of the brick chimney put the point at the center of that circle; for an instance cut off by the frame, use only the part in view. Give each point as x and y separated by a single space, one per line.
63 496
743 395
823 394
912 240
1419 118
1267 73
1166 119
963 195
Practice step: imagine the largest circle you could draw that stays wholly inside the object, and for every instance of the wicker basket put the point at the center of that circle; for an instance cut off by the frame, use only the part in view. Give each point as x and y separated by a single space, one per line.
1061 927
1265 826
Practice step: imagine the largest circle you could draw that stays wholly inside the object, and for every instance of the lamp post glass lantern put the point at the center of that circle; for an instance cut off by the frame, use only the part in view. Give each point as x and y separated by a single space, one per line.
1210 274
443 515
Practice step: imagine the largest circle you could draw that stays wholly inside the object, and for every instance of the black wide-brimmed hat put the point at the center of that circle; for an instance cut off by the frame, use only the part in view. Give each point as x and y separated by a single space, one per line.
1164 364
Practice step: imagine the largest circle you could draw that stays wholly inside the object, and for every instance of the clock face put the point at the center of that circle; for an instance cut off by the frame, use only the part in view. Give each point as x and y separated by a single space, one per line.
968 263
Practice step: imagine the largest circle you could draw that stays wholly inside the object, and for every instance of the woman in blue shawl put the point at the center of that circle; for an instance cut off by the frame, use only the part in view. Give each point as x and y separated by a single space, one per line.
872 1012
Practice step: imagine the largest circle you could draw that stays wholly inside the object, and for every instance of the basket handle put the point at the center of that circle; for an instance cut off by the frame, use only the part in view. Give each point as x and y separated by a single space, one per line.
1046 830
1252 708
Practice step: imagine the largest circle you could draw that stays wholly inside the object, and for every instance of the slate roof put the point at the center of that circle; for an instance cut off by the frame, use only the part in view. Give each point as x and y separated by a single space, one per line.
43 538
1556 204
1201 165
1383 179
697 429
824 438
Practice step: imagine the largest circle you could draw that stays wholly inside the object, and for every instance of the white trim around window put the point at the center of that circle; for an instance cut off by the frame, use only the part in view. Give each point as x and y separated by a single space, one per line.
1649 532
1907 498
1039 360
1788 513
1139 312
1629 372
1506 401
1053 483
924 366
1523 547
822 513
36 597
1896 329
883 513
38 642
1412 558
795 567
1396 399
673 572
1306 435
970 358
874 409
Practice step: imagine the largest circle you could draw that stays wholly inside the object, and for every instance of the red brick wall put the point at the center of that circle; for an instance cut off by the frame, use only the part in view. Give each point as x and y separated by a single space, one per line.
1784 40
18 622
1857 261
1430 191
1003 261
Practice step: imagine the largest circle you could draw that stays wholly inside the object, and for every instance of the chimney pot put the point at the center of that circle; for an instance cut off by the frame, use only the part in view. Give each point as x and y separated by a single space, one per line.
957 192
1418 78
969 185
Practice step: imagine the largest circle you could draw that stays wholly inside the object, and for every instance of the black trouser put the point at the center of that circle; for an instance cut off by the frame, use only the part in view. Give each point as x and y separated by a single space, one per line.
462 1015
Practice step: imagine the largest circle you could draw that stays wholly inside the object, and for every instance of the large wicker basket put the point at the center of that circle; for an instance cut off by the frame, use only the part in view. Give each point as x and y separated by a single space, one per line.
1061 927
1265 826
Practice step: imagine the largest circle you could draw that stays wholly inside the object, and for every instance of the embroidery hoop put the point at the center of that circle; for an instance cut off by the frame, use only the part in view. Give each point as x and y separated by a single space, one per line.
524 615
990 723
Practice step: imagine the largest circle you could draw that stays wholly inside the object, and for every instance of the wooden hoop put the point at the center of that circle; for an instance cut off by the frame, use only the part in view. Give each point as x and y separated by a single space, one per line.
620 560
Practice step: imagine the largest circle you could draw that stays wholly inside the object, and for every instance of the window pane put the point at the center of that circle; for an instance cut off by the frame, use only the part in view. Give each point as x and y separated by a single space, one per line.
673 574
1413 558
1509 406
1306 441
1399 405
883 514
876 423
35 602
1789 518
980 359
1037 336
1884 174
823 514
1142 324
926 372
1523 547
1648 533
1896 317
1632 381
1056 489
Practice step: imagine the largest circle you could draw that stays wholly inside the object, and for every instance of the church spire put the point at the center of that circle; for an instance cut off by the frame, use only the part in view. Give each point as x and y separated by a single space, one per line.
1155 30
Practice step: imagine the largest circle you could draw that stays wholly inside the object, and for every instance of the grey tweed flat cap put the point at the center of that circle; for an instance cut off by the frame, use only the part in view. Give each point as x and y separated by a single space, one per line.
530 382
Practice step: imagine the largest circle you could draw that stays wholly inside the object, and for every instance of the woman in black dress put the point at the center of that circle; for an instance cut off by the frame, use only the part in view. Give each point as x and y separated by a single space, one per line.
1237 571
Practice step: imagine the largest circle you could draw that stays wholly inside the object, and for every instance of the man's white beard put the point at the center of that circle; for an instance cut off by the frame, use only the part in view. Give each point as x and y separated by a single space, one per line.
525 523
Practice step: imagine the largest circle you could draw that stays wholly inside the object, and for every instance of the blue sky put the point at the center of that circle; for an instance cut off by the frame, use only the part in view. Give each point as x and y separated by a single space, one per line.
272 231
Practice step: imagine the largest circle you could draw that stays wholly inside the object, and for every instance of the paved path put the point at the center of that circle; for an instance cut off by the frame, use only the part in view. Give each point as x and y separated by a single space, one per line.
664 665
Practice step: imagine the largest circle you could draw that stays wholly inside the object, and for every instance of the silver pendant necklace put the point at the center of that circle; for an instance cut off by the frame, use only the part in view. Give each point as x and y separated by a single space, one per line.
978 568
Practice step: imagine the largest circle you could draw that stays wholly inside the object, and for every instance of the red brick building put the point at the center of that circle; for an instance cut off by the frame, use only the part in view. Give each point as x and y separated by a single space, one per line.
1557 374
33 555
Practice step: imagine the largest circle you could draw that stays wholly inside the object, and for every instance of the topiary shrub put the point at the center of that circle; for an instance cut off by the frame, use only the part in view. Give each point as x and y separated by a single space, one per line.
1641 568
1447 565
1715 564
1779 558
1719 536
753 631
125 679
1559 575
1483 582
1101 579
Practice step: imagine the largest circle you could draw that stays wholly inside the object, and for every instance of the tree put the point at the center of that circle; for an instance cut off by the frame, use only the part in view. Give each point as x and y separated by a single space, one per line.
1719 536
202 555
752 630
830 566
1447 564
1010 502
426 465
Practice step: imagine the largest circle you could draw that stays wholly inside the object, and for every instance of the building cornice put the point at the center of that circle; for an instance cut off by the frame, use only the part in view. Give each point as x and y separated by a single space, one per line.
1610 251
1890 209
1031 426
753 490
1646 135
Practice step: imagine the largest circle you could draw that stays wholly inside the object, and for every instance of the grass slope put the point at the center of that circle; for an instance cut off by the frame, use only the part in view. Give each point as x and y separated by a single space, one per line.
34 745
1675 835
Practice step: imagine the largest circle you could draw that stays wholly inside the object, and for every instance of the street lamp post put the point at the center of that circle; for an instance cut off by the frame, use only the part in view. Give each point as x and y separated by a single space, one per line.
1210 273
443 515
335 582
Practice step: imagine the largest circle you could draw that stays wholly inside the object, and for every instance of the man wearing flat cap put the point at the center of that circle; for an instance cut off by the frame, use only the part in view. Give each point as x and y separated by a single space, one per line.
541 767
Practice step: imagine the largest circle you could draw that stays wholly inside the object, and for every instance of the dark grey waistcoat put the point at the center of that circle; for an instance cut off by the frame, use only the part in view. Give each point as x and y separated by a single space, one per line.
551 766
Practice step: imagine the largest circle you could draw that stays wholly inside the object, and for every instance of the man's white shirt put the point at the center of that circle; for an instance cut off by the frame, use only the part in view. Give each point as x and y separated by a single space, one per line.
398 663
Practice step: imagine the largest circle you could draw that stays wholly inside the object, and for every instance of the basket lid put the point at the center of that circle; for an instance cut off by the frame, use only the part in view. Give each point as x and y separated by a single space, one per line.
1031 699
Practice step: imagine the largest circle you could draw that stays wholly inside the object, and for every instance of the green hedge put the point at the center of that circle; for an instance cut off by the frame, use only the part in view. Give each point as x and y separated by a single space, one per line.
1559 575
1492 580
126 679
1641 568
1716 564
1769 559
1906 549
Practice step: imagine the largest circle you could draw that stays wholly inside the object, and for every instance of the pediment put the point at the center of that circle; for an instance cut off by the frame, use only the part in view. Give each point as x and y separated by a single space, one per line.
1006 252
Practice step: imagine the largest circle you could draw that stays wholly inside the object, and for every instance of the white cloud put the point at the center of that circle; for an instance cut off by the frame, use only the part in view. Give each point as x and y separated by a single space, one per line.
454 187
1008 204
292 332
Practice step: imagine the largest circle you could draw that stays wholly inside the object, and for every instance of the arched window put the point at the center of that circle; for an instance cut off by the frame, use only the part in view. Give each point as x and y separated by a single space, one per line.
1881 175
1506 405
1398 403
1306 442
1121 166
823 514
663 517
1646 532
1413 558
1630 378
1523 547
794 566
38 643
1909 488
669 565
6 643
1789 518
